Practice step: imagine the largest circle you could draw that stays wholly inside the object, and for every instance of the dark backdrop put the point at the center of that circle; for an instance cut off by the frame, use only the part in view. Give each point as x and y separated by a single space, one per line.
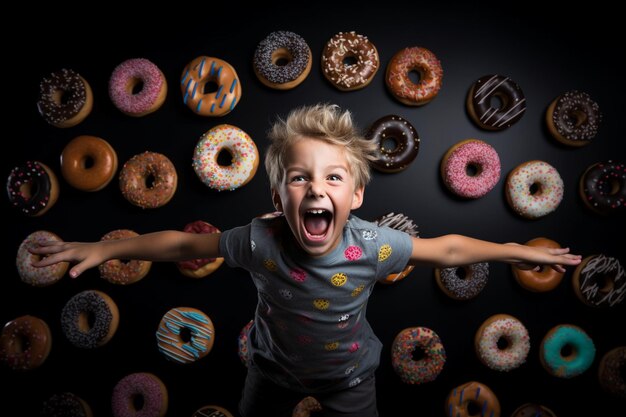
546 54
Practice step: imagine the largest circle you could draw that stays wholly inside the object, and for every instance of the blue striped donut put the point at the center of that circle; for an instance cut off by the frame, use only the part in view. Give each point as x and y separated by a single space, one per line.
185 335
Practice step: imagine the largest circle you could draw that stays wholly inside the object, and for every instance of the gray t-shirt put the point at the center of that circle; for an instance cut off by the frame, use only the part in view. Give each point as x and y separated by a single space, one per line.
310 332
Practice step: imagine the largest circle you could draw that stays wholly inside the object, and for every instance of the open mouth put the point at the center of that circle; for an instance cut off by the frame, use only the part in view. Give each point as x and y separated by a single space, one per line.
317 222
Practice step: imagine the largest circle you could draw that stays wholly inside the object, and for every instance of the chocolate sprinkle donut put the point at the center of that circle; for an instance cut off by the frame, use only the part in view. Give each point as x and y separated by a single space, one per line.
403 147
65 405
603 187
575 117
74 319
471 286
66 84
295 48
33 176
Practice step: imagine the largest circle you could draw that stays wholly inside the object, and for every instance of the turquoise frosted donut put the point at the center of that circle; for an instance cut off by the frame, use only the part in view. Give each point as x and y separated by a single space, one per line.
571 339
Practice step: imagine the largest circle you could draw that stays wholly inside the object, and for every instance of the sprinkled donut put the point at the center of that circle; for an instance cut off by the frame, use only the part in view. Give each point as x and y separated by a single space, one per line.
413 371
88 163
42 276
483 97
242 149
142 75
117 271
534 189
404 224
599 281
402 87
242 343
512 331
207 70
471 168
602 187
65 405
397 143
306 406
282 60
199 268
573 118
611 372
65 98
581 348
89 319
180 320
455 286
349 61
480 396
32 188
25 343
145 386
544 280
533 410
212 411
148 180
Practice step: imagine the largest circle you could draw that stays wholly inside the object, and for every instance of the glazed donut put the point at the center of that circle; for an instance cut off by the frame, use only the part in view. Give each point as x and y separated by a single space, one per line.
65 98
502 327
532 410
306 406
602 187
471 168
404 224
25 343
185 319
397 143
89 319
416 59
242 343
204 71
573 118
349 61
611 371
475 393
32 188
482 103
121 272
137 87
88 163
544 280
146 386
413 371
242 149
41 276
599 281
66 405
464 287
563 338
148 180
534 189
212 411
199 268
282 60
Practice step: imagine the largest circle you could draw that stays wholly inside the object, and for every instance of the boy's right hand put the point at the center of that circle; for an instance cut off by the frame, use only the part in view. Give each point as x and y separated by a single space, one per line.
84 255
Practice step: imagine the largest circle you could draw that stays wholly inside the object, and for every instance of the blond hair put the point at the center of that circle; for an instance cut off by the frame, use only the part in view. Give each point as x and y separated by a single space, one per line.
328 123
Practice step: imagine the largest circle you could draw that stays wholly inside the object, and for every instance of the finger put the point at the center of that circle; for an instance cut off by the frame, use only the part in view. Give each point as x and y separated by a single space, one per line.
47 261
559 251
75 271
558 268
47 249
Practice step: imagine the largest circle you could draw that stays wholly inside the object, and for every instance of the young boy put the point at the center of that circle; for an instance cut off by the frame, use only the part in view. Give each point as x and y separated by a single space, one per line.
314 267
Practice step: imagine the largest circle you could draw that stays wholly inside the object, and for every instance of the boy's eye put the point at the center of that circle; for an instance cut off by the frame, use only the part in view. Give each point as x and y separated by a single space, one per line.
334 177
298 178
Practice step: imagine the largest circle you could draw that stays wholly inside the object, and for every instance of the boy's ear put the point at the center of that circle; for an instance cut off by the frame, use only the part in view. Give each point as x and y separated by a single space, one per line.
357 198
278 205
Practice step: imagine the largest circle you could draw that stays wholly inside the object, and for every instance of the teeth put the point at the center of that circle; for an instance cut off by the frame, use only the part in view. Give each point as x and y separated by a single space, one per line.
318 211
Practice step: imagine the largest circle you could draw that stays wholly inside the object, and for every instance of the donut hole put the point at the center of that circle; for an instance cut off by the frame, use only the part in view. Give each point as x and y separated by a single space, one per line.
621 371
473 169
136 86
185 334
349 60
462 273
577 117
389 144
61 97
87 162
535 189
28 190
209 87
568 352
137 401
415 76
281 57
502 343
418 354
21 343
474 408
86 321
604 282
609 187
150 180
497 101
224 158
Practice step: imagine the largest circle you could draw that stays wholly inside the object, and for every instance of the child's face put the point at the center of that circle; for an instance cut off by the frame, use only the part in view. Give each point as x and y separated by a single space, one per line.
317 194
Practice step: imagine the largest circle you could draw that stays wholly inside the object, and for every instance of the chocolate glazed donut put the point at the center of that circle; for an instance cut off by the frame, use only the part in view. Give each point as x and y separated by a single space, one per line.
602 187
482 110
403 137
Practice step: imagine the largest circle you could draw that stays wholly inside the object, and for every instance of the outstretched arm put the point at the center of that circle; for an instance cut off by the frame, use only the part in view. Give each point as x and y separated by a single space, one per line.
159 246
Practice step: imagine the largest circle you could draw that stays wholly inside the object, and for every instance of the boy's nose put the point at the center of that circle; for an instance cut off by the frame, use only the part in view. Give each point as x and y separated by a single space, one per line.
315 190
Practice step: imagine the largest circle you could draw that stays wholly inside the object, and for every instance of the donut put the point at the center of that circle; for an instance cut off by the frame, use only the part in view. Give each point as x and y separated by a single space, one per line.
25 343
532 410
65 98
203 73
242 150
242 343
121 272
282 60
148 180
88 163
199 268
185 335
498 328
602 187
466 286
599 281
534 189
471 168
544 280
212 411
404 224
422 61
65 404
573 118
38 276
566 351
306 406
397 143
349 61
137 87
495 102
611 372
89 319
144 386
426 369
472 394
32 188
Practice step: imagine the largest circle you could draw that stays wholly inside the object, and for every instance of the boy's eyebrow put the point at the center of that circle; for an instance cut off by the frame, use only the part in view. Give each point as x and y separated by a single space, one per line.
330 167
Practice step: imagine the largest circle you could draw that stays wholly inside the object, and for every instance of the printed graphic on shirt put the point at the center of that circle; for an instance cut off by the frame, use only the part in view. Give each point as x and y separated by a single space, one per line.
270 265
358 290
298 275
353 253
339 279
384 253
321 303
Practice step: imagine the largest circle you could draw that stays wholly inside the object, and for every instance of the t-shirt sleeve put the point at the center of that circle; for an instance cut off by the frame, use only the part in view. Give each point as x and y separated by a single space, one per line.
394 251
236 246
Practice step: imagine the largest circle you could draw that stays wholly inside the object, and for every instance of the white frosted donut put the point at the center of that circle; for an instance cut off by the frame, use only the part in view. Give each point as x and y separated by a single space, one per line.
547 185
242 149
517 342
38 277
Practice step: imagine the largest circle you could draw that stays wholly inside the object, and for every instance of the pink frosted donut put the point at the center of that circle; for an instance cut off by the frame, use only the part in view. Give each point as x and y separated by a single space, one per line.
144 385
534 189
471 168
38 277
141 75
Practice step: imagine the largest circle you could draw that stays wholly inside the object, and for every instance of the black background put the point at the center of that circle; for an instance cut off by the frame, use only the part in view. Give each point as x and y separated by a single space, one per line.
547 53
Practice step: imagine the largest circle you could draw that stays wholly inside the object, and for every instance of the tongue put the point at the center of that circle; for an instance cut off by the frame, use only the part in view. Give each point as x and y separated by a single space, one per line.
316 225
